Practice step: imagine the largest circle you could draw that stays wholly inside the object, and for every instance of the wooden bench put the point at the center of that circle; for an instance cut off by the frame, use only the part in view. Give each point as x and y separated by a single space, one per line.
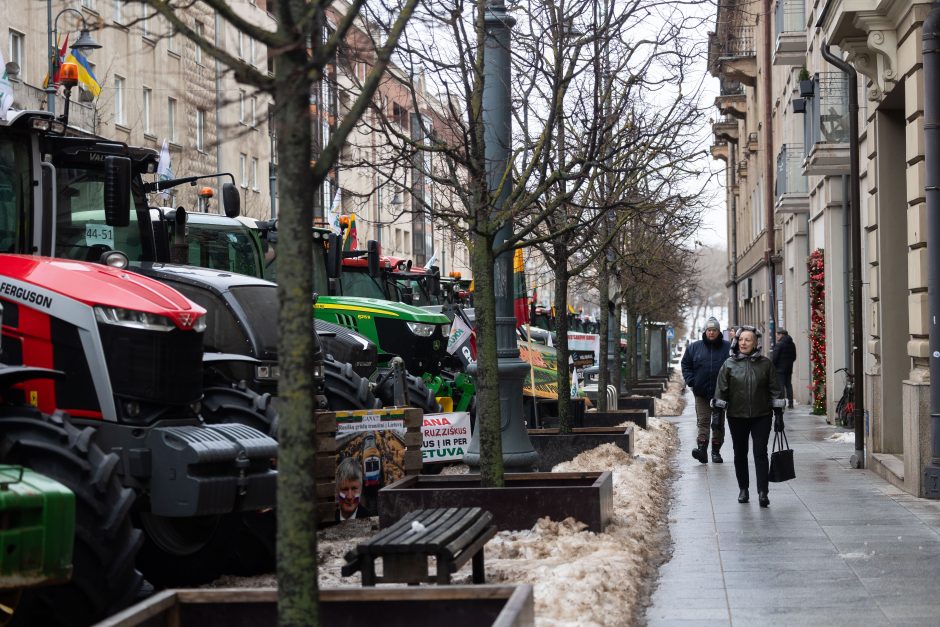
451 535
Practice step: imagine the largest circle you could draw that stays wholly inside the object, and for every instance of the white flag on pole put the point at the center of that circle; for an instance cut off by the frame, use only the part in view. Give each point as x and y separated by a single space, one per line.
459 334
574 383
332 215
6 88
164 166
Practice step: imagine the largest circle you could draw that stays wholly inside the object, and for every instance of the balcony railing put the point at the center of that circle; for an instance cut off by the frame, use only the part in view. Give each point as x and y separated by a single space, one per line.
740 43
791 16
827 112
790 179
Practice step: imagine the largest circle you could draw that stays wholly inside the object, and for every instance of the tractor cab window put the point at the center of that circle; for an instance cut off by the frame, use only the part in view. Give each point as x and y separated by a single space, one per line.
14 196
222 247
362 285
81 230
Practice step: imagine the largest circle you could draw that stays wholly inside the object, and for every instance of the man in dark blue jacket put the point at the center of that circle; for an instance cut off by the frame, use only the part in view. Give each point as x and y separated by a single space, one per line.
700 366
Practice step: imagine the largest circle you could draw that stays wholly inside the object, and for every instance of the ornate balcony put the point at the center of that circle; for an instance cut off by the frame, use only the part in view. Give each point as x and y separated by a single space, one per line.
790 46
721 151
725 129
791 188
731 100
732 54
826 126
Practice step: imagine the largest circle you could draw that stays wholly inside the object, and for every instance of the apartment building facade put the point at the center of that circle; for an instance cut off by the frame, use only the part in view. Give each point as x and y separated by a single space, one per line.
882 41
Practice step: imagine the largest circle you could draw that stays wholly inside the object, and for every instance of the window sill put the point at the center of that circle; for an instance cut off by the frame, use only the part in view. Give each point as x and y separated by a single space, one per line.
149 40
173 53
121 127
150 136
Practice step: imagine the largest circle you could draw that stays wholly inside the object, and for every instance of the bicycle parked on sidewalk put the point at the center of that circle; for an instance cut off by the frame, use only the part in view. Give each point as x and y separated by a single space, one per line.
845 408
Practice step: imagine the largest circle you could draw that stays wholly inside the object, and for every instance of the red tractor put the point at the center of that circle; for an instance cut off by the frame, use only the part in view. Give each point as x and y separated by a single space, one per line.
132 353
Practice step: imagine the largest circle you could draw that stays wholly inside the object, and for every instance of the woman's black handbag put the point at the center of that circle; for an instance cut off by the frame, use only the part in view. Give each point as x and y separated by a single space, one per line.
781 460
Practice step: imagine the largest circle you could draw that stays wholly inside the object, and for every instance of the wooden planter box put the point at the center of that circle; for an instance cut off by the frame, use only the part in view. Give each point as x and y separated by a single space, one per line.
462 606
604 419
554 448
525 497
638 402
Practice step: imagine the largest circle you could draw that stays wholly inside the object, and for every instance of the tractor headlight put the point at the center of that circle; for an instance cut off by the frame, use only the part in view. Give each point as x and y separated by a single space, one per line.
422 329
318 372
200 324
134 319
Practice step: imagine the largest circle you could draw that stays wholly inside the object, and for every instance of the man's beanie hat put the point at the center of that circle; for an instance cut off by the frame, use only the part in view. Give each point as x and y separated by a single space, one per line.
712 323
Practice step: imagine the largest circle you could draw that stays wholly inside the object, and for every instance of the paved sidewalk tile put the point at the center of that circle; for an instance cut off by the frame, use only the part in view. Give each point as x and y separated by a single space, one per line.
837 546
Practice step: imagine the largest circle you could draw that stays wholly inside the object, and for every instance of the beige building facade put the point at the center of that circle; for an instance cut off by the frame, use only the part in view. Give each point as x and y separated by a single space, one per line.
882 40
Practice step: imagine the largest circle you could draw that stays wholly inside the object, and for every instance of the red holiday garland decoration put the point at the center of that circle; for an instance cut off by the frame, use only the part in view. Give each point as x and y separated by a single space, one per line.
817 330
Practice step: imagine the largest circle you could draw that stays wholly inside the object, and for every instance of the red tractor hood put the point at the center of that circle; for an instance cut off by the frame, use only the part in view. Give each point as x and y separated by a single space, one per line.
93 284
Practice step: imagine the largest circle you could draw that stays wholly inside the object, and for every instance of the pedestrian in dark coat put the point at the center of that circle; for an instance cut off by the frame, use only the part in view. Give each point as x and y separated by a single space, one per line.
748 390
700 365
783 356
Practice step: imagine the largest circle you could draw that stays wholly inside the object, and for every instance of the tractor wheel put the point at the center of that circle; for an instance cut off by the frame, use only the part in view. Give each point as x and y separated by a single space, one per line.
345 389
182 552
106 543
239 403
417 392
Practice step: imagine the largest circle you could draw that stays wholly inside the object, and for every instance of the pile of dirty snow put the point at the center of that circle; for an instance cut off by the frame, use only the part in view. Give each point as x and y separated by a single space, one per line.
673 401
579 577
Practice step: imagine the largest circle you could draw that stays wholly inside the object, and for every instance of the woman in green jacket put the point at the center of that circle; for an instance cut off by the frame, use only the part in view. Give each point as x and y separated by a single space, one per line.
749 392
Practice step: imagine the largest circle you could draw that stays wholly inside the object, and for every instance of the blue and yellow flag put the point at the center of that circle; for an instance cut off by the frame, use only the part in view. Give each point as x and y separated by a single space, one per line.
85 75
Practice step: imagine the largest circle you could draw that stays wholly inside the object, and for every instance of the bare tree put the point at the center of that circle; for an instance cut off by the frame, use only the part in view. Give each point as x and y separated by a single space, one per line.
303 49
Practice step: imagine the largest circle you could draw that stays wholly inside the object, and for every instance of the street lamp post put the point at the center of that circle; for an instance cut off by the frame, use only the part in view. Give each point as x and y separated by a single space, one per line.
497 128
84 42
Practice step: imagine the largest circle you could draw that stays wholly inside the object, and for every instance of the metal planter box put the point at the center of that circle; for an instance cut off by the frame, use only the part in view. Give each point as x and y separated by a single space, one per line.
463 606
525 497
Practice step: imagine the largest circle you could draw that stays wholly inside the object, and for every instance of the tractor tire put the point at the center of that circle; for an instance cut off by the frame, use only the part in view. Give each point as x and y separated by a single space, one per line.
345 389
195 551
104 579
239 403
418 394
186 552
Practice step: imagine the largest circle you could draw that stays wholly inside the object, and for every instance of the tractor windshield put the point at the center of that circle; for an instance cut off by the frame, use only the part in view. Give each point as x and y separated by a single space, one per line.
228 247
362 285
14 195
81 230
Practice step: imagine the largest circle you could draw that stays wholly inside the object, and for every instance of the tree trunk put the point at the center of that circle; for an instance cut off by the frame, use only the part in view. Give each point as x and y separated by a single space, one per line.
561 331
631 347
603 288
486 379
298 602
618 354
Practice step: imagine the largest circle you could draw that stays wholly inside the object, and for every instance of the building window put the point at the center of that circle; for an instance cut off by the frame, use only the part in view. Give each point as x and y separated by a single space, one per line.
200 32
171 119
243 169
254 111
241 106
241 45
118 11
397 240
148 101
89 4
170 38
144 20
254 173
200 130
119 115
18 52
252 50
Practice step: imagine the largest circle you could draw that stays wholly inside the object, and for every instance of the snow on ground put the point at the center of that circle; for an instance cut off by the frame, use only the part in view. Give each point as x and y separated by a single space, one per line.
845 436
580 577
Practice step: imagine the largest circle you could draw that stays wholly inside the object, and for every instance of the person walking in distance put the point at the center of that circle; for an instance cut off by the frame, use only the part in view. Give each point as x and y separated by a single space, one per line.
783 356
749 392
700 365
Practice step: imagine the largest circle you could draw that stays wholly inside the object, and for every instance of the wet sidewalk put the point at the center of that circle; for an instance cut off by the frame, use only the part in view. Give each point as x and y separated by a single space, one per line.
837 546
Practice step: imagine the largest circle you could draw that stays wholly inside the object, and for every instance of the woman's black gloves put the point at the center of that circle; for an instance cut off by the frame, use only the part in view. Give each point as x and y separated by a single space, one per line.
778 419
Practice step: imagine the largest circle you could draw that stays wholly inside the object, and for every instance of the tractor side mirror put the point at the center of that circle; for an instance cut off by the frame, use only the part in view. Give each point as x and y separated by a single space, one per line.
373 255
434 281
117 190
231 201
334 256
